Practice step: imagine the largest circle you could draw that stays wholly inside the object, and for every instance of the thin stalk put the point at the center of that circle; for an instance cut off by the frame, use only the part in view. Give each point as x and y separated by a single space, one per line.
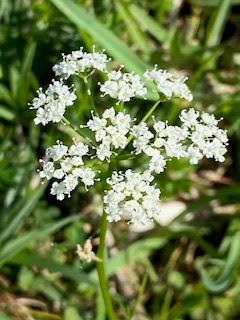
88 87
101 270
76 130
147 115
69 124
150 112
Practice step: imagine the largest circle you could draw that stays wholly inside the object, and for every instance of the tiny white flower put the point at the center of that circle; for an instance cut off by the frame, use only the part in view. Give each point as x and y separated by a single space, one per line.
58 190
169 84
131 196
111 130
50 106
123 86
48 170
80 62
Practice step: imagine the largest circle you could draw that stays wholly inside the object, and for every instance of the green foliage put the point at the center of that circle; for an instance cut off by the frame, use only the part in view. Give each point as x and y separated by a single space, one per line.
187 269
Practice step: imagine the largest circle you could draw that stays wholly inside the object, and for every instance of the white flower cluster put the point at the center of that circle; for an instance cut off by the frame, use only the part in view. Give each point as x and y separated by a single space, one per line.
169 84
206 138
123 86
132 196
167 143
50 105
80 62
66 164
111 130
198 136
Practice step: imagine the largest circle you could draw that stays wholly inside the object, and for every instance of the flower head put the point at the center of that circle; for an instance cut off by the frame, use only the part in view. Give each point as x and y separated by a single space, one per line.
111 131
80 62
169 84
123 86
132 196
66 164
206 139
50 105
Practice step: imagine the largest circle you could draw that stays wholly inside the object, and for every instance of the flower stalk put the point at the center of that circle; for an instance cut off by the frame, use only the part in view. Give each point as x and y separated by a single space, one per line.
101 270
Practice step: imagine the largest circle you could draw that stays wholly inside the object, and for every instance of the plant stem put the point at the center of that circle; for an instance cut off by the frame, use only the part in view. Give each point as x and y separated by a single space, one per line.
150 112
90 97
76 130
147 115
101 270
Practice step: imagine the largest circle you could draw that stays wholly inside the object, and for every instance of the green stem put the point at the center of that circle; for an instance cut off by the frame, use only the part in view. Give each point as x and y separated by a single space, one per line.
75 129
101 270
147 115
150 112
88 87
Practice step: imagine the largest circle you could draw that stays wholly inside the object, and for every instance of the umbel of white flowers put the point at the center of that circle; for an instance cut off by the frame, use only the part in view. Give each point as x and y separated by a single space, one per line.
131 195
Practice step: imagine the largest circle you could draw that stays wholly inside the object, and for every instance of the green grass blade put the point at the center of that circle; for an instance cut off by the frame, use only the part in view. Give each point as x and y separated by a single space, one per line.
224 279
29 204
5 95
149 24
15 246
25 74
133 29
6 114
44 262
217 23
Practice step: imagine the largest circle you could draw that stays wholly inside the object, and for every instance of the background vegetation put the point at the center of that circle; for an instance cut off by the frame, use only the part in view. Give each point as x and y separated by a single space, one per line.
186 269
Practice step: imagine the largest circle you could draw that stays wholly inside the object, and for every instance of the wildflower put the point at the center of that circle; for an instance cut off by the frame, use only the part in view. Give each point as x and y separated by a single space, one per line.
206 138
111 130
169 84
80 62
50 105
142 136
66 164
86 253
132 195
123 86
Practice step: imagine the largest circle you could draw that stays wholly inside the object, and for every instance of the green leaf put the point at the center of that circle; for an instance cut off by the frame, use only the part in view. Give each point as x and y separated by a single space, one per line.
44 262
29 204
217 22
133 29
25 74
6 114
100 34
71 313
25 279
14 246
149 24
5 95
224 280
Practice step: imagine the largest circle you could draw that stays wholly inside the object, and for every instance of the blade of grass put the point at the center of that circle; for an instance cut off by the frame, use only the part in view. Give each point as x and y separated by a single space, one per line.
44 262
16 245
224 280
133 29
217 22
24 77
149 24
17 221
